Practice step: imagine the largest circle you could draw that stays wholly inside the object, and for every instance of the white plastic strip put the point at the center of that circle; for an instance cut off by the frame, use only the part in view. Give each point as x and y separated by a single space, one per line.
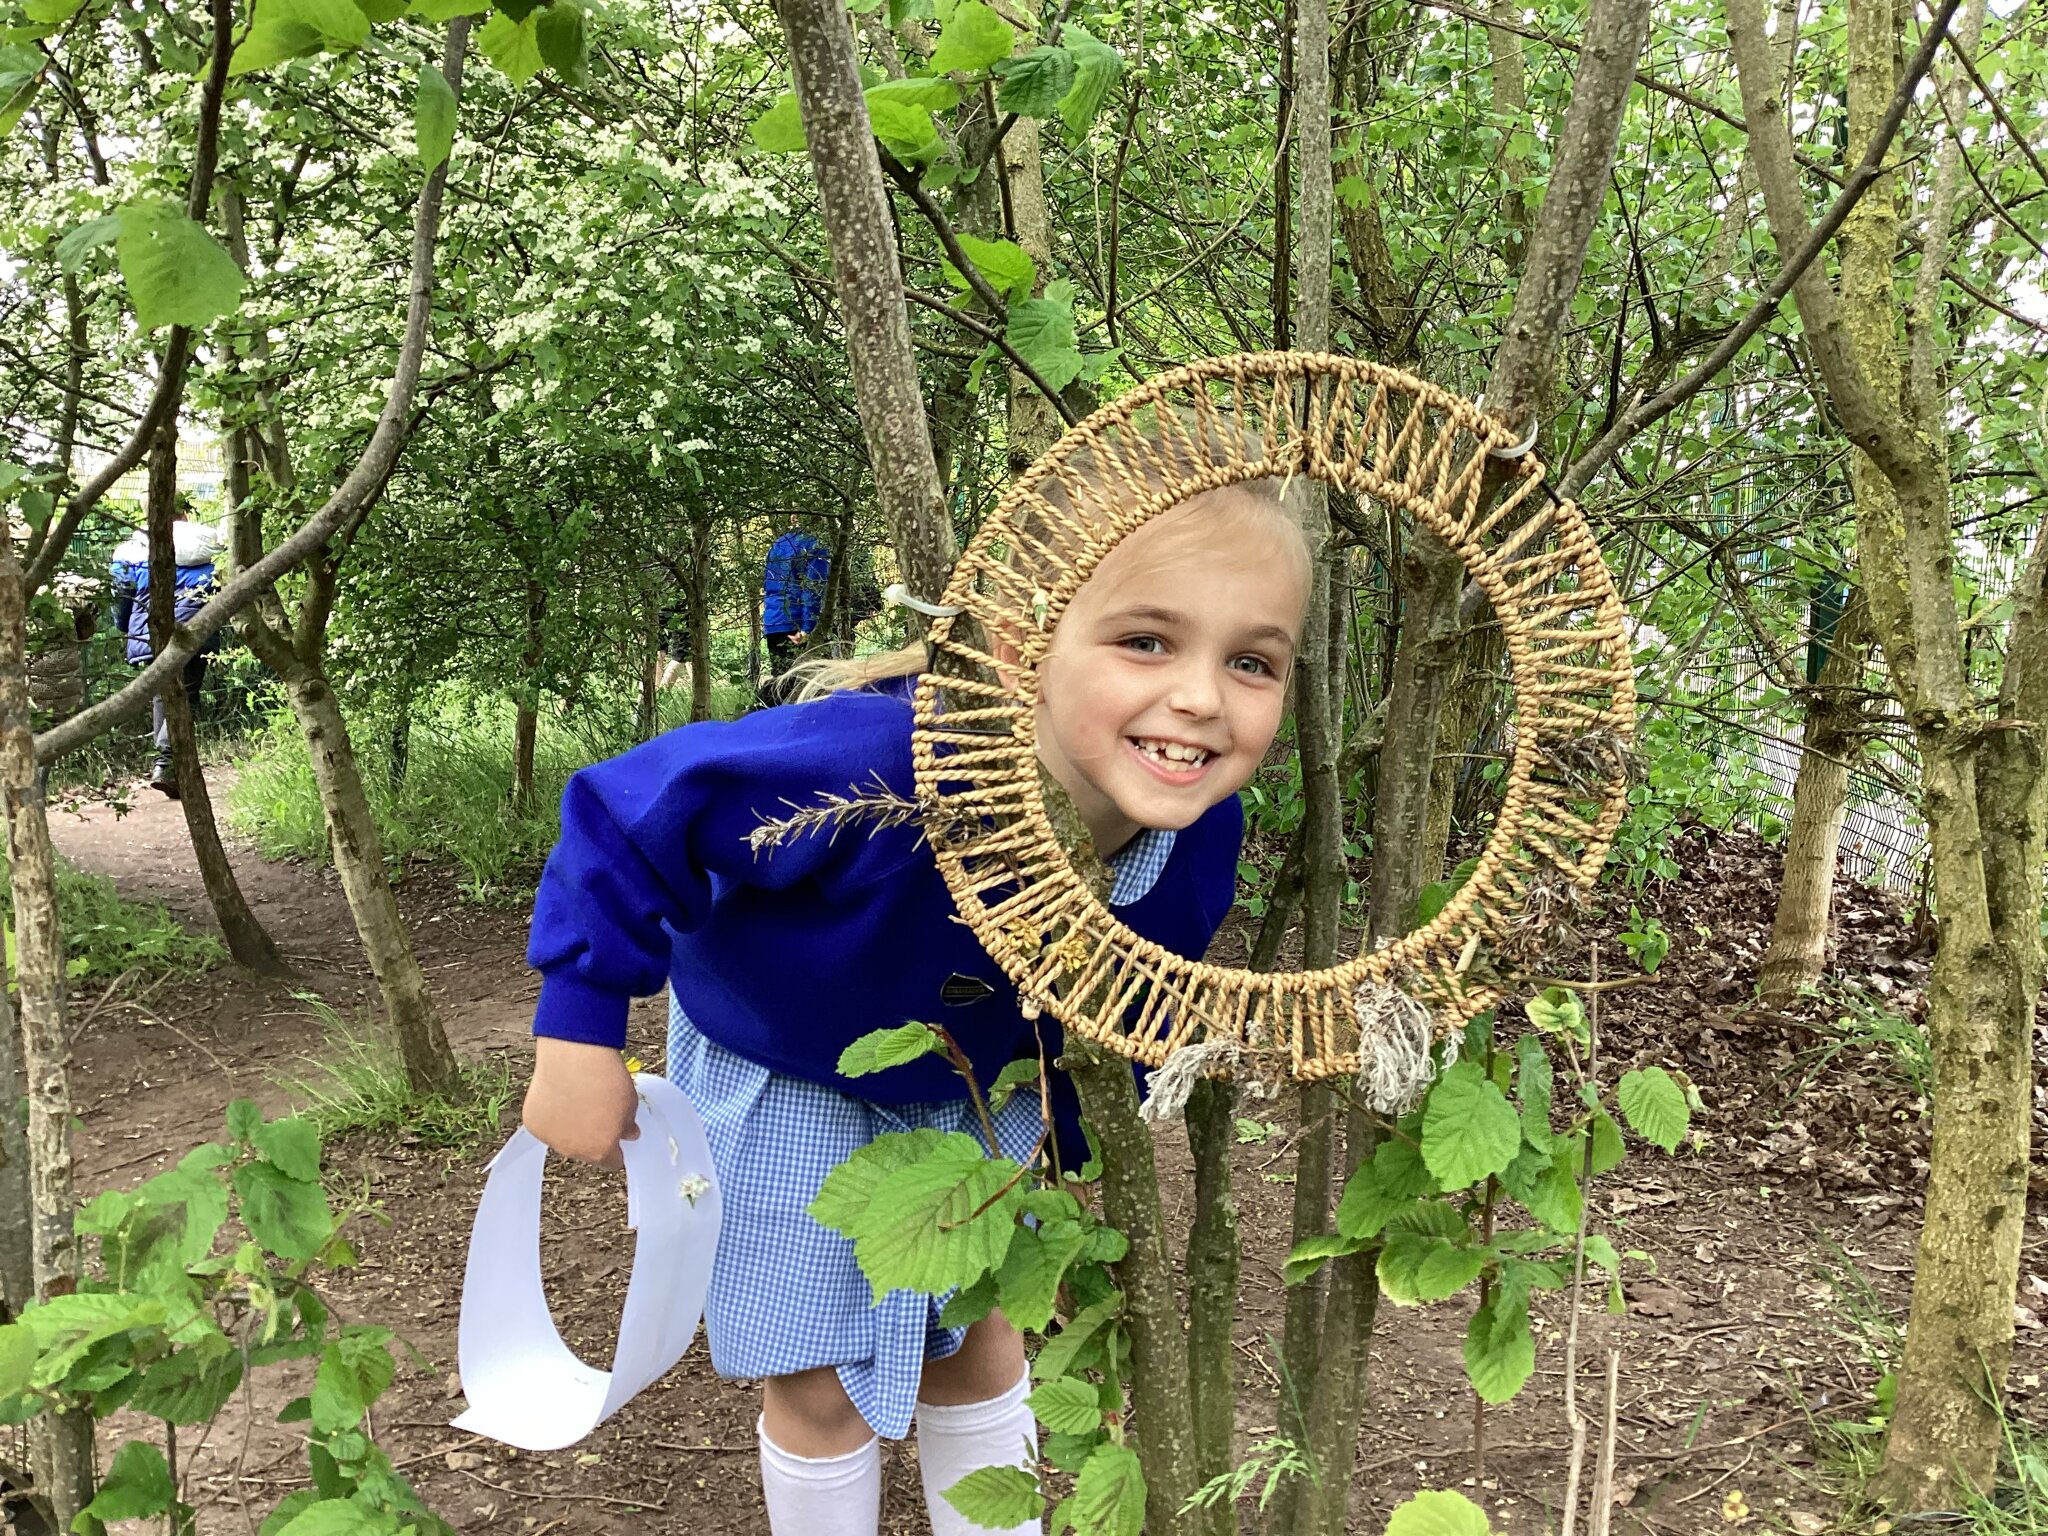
524 1385
899 594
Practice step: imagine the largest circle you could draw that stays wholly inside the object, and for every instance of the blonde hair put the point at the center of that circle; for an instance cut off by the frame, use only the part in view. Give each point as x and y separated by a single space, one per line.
1167 454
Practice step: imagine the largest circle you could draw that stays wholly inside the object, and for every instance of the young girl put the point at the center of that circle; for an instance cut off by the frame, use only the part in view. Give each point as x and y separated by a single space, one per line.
1162 689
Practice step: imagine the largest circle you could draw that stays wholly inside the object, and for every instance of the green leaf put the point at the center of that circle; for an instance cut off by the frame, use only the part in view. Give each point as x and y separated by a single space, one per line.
1429 1218
917 91
1500 1352
1043 332
1068 1406
938 1223
1015 1075
1109 1495
175 272
564 43
1655 1105
85 238
191 1386
293 1145
137 1484
1557 1011
66 1327
970 1304
1469 1129
17 1359
1398 1169
244 1119
433 118
1034 83
514 46
1029 1280
337 1517
18 88
1096 67
1312 1253
1447 1269
1007 266
1533 1087
170 1225
287 1216
850 1188
1439 1512
289 29
1547 1186
1056 1358
779 130
354 1371
1000 1498
903 126
974 38
881 1049
1607 1147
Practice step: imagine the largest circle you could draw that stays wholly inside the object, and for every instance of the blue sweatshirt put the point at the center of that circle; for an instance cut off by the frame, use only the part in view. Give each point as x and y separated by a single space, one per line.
793 584
789 955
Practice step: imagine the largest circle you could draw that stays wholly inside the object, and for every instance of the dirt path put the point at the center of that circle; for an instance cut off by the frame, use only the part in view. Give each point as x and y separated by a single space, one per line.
1738 1338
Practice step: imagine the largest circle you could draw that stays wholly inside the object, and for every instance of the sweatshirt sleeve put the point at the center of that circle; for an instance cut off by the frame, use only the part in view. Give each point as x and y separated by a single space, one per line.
649 837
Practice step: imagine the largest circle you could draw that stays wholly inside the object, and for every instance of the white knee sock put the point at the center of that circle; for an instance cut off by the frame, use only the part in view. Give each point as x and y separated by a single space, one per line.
956 1439
823 1495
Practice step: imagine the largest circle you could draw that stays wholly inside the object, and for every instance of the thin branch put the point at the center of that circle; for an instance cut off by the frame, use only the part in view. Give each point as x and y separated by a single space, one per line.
1867 171
369 473
993 302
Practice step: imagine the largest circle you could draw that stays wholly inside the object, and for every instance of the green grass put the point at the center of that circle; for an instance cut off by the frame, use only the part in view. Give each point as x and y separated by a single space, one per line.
106 934
455 804
360 1085
1852 1449
1866 1027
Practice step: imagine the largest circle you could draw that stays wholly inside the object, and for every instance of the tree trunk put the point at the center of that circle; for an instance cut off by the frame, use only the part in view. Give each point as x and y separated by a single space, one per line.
1326 1344
526 724
1983 794
1034 422
1832 736
62 1444
1214 1252
825 70
400 744
700 619
359 860
1475 675
246 938
17 1271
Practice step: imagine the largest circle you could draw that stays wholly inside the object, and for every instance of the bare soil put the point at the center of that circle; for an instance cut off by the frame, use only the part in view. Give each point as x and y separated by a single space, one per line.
1766 1253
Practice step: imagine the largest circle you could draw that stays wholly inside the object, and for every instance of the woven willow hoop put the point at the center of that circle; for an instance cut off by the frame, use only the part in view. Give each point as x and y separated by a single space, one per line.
1378 434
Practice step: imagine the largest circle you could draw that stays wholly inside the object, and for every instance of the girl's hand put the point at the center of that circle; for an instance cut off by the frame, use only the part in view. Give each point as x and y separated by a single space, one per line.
581 1101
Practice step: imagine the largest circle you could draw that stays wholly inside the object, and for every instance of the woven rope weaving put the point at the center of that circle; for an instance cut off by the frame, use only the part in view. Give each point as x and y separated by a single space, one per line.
1386 438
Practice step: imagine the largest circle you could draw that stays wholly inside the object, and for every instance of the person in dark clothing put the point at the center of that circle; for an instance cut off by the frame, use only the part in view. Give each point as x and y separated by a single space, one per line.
195 548
792 598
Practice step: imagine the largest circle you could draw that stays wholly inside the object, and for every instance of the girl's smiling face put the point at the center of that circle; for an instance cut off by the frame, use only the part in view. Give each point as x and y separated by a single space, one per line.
1167 676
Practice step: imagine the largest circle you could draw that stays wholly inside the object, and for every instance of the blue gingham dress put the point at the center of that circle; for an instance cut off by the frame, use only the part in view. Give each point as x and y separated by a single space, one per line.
786 1294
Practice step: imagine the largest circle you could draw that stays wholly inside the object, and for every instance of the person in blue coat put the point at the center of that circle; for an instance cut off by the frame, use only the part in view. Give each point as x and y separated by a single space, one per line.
1164 686
793 582
195 547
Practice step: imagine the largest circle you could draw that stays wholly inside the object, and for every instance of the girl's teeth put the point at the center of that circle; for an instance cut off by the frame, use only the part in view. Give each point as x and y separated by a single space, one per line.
1173 752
